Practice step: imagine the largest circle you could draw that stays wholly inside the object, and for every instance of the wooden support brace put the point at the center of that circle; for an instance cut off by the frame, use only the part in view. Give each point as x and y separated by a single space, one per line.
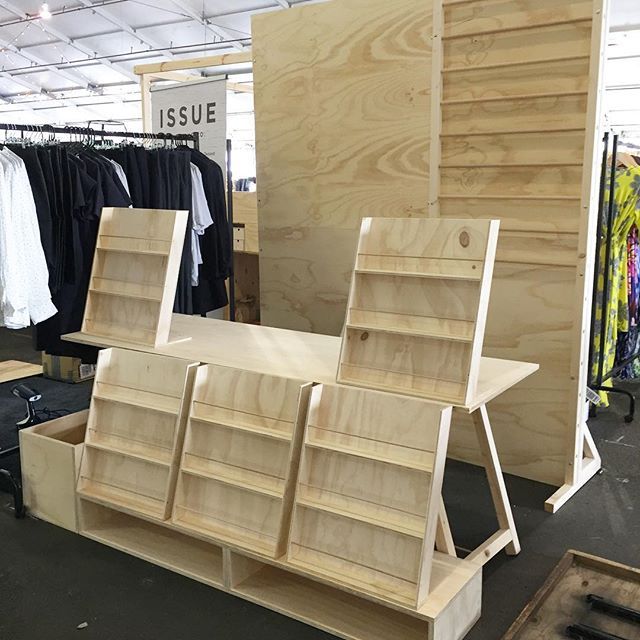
444 539
591 464
496 484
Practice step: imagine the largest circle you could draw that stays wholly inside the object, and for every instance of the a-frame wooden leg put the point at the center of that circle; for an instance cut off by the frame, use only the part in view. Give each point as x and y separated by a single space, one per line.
507 536
444 539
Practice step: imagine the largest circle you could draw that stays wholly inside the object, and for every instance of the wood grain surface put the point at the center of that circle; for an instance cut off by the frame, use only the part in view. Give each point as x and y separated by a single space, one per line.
341 136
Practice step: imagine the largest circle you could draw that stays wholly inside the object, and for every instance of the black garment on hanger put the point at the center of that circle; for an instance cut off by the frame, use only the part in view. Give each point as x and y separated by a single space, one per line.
215 243
79 186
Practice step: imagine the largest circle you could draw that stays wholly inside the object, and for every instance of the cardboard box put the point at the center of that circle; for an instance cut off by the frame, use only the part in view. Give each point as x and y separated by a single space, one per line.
66 369
50 455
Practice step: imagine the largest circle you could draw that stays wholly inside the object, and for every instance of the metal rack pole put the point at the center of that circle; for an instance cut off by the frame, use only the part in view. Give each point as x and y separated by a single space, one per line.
232 281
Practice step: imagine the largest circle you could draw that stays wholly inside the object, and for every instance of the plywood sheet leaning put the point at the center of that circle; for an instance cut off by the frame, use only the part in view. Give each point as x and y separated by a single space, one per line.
135 274
342 107
135 430
240 458
368 492
418 306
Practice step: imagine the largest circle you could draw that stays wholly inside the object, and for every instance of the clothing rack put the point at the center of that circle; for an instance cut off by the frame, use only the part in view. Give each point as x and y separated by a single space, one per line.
605 233
194 138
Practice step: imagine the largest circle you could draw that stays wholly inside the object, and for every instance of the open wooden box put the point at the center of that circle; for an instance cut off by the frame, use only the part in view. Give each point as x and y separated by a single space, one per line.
50 455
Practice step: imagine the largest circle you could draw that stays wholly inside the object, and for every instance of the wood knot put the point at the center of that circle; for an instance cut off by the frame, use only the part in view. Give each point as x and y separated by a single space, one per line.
364 335
464 239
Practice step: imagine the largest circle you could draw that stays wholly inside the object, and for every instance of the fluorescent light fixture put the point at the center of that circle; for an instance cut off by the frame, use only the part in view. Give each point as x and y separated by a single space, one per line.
44 12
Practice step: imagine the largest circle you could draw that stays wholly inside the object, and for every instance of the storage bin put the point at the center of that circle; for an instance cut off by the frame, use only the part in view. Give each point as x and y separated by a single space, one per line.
50 455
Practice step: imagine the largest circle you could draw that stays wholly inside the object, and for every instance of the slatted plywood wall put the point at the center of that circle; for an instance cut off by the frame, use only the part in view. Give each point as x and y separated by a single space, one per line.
346 129
342 132
515 145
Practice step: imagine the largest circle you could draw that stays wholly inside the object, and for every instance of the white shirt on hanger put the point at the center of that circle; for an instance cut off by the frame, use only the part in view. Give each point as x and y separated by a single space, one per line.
122 176
202 220
24 277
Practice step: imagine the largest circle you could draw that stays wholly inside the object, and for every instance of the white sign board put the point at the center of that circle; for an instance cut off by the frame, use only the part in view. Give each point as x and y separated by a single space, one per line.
188 107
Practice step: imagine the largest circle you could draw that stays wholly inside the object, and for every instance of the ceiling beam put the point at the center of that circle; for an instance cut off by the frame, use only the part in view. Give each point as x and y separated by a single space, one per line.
621 28
56 33
127 28
75 78
34 88
243 57
216 30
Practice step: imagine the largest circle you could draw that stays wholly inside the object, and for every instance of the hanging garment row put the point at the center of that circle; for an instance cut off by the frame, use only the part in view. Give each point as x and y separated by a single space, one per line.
618 283
68 185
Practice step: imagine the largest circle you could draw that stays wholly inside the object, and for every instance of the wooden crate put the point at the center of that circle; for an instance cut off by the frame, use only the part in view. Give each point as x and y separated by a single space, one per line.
135 431
561 600
50 455
240 457
418 306
368 492
135 274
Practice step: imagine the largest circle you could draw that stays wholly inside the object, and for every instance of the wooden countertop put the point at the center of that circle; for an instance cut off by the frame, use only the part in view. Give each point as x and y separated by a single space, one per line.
286 353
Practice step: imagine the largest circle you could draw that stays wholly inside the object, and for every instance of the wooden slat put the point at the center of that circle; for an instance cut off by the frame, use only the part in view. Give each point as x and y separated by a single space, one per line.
369 449
494 16
410 325
531 114
14 370
419 267
564 76
511 181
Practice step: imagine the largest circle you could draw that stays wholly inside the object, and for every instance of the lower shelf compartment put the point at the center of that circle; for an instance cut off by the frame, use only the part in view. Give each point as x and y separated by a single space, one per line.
272 583
331 610
154 543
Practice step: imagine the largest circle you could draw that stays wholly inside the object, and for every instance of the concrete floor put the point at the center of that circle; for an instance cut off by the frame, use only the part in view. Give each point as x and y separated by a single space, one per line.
52 580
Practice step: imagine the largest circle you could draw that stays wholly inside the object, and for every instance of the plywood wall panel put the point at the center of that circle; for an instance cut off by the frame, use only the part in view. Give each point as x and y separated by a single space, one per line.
342 132
518 88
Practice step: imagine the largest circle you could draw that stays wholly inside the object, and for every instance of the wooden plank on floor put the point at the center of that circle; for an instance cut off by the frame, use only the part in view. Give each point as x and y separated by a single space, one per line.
15 369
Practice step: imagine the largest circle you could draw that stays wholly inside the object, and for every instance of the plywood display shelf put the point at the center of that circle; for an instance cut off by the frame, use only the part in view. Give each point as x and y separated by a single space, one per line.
134 274
135 430
368 491
240 457
418 306
450 611
314 358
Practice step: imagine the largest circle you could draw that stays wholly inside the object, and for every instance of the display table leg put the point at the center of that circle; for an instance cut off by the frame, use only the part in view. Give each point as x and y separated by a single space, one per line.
507 535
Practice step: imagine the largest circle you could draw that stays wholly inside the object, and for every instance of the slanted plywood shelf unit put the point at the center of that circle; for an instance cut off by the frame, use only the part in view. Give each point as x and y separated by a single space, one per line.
135 274
240 457
135 430
418 305
368 491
